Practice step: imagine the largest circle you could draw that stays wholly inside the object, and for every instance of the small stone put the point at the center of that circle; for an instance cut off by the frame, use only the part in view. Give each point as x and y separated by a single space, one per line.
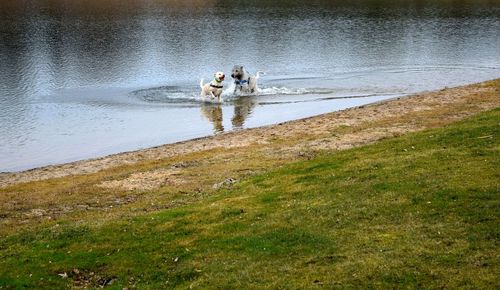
318 282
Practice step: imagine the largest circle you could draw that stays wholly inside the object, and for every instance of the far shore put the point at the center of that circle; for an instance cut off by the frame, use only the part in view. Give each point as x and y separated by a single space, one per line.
338 130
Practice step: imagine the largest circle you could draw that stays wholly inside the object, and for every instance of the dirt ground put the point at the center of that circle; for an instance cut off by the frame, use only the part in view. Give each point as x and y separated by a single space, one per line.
338 130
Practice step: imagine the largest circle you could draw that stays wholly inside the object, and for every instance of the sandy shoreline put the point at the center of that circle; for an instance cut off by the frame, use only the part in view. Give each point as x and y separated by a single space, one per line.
336 130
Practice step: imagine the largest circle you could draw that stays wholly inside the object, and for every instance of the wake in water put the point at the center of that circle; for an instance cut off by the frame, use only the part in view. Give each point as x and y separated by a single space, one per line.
167 94
284 90
183 95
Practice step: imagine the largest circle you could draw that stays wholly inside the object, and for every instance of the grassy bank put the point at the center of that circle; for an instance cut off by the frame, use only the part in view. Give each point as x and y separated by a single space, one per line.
419 210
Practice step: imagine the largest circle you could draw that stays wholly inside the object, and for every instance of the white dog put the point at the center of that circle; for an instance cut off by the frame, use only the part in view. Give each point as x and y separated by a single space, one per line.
243 81
213 88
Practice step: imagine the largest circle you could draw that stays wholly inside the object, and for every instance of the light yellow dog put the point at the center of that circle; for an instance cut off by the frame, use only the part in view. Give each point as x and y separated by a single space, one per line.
213 88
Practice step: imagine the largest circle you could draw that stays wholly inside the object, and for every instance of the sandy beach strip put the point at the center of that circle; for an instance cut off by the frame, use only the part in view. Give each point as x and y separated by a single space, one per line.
332 131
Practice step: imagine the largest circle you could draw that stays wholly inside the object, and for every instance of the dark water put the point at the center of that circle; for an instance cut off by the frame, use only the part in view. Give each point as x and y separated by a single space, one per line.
86 78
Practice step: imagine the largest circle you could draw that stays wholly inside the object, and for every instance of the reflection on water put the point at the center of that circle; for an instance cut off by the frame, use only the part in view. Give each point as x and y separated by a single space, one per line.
242 109
74 72
213 113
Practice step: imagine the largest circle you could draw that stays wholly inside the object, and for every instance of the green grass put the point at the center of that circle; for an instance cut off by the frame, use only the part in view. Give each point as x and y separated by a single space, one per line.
419 211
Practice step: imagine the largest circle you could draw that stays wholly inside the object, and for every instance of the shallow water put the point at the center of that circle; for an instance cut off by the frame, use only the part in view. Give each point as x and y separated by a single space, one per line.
91 78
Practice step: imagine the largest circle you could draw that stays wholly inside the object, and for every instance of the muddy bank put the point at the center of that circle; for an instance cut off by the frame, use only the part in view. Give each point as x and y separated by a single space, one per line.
338 130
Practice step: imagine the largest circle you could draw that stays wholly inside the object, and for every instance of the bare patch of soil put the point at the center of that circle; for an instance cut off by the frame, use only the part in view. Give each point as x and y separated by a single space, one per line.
145 180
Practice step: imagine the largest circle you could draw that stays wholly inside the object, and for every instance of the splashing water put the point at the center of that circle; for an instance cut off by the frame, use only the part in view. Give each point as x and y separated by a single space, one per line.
180 95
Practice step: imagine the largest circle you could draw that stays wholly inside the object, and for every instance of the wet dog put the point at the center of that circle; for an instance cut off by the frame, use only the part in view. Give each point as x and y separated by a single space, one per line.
243 81
213 88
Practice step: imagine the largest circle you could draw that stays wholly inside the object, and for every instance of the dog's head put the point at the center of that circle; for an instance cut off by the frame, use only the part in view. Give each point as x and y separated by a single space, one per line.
219 76
237 72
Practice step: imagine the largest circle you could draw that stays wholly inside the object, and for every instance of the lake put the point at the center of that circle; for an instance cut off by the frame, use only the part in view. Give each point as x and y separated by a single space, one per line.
83 79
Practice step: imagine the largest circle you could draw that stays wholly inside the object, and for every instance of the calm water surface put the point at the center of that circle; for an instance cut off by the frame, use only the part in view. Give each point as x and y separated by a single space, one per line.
87 78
